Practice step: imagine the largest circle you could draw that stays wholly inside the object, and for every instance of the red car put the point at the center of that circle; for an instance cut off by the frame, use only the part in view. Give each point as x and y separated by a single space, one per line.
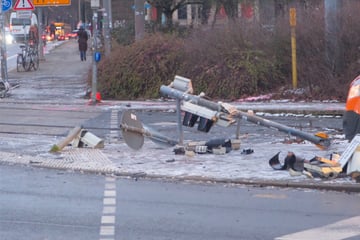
61 38
72 35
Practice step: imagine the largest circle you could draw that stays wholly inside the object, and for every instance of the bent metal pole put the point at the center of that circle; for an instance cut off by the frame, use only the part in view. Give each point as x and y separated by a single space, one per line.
176 94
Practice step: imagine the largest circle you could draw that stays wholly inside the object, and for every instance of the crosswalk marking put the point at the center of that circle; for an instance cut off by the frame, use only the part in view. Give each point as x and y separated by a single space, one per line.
114 133
336 231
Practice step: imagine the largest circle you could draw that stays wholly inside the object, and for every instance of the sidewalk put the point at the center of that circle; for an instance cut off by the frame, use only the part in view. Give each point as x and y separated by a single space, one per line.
56 93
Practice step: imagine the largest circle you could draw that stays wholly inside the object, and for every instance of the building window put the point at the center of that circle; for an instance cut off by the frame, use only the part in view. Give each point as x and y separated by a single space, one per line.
182 13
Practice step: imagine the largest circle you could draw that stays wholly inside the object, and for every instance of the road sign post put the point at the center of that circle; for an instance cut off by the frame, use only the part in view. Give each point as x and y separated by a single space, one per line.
95 5
4 85
41 29
293 46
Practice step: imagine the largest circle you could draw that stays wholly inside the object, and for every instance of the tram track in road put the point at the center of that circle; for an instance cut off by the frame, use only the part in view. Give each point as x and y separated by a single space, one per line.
55 126
34 125
46 106
37 122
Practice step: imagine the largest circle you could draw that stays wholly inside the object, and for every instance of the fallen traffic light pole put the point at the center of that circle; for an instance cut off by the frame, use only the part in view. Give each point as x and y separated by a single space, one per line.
224 114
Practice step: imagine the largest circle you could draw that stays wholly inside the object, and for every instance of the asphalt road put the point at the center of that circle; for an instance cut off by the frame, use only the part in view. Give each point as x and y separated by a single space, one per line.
57 205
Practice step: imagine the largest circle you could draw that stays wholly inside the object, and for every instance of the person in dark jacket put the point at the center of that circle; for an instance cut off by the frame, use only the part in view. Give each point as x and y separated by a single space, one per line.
82 40
52 30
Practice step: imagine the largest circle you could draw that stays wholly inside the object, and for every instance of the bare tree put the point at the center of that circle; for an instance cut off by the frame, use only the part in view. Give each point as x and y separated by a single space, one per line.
230 7
168 7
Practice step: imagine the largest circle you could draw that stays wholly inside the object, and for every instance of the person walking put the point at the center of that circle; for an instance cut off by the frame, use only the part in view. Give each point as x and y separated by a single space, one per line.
82 40
52 30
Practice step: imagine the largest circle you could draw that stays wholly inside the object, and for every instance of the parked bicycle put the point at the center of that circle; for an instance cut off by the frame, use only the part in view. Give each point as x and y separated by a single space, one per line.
28 58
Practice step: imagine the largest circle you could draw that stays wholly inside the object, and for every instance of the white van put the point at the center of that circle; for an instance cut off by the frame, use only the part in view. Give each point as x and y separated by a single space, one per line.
20 25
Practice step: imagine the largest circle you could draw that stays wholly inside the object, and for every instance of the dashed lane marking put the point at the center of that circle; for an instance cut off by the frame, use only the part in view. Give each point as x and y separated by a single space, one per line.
108 219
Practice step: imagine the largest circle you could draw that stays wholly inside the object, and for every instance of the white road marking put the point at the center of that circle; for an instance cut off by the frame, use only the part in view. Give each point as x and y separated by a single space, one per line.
109 186
107 219
273 196
107 228
11 57
114 125
109 193
343 229
109 201
108 210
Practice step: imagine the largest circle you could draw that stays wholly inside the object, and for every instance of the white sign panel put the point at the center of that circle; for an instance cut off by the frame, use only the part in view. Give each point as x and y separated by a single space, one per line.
23 14
95 3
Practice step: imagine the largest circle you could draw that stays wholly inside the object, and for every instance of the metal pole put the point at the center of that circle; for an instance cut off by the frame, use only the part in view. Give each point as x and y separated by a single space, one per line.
238 129
173 93
293 46
2 41
41 29
332 32
139 19
79 8
107 37
110 17
4 73
293 58
94 64
180 130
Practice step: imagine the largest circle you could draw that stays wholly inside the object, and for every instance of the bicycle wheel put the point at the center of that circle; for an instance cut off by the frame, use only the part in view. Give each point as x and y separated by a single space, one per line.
19 63
27 62
35 61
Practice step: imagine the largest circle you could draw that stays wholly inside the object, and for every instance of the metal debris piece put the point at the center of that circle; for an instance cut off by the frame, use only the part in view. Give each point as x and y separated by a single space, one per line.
323 168
179 150
289 162
133 132
247 151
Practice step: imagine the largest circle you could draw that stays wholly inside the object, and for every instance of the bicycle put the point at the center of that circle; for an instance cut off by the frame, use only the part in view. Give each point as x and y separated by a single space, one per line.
34 59
27 59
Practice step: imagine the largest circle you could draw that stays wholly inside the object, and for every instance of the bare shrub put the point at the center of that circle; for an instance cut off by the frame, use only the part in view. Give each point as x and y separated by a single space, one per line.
231 62
138 70
242 59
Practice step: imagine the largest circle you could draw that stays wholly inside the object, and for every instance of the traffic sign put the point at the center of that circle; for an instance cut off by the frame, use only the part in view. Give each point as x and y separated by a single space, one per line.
51 2
21 5
6 5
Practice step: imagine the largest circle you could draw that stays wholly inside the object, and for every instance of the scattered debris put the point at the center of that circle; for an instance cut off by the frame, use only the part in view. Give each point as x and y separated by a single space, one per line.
79 137
217 146
323 168
289 162
87 139
4 88
247 151
316 167
179 150
134 132
72 134
355 176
